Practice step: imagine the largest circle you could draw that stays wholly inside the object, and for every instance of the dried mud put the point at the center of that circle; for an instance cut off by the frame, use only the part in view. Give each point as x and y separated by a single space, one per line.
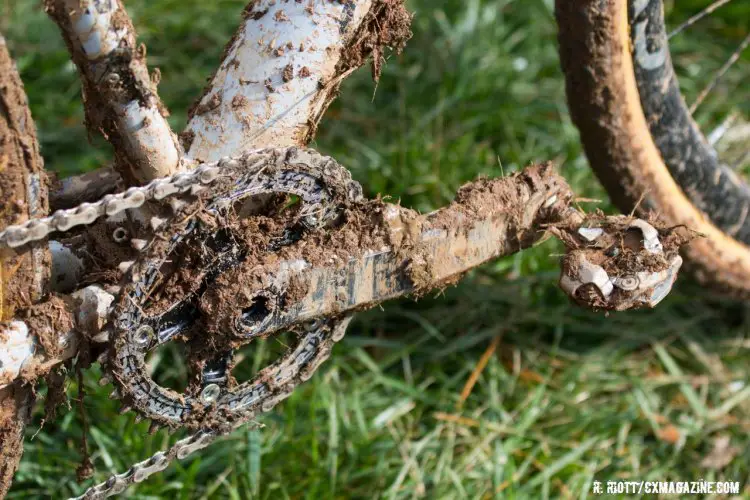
363 228
518 200
23 194
46 321
386 26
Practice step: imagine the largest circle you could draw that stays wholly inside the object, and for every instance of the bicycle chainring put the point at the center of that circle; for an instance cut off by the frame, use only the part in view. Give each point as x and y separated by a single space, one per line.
172 291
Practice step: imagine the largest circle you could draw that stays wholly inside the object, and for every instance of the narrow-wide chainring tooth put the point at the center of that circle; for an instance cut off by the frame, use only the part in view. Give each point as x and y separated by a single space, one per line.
294 171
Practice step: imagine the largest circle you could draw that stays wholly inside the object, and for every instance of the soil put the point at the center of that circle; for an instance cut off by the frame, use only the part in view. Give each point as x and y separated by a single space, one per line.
46 321
23 276
518 199
16 402
387 25
619 251
363 228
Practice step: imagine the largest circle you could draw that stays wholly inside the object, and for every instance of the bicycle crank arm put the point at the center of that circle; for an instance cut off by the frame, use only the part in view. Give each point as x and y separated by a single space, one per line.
423 252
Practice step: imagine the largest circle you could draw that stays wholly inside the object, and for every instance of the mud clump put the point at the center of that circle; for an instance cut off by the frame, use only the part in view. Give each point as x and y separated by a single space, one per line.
387 25
362 226
521 204
47 320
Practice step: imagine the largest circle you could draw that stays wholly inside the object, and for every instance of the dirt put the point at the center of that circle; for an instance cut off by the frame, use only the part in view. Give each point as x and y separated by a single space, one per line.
19 158
205 107
16 402
46 321
619 251
296 290
288 75
188 136
24 277
104 253
517 199
387 25
361 227
249 12
234 290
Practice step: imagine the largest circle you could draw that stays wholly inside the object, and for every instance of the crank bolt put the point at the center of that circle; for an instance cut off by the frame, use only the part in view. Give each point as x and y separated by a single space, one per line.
311 326
210 393
143 335
120 235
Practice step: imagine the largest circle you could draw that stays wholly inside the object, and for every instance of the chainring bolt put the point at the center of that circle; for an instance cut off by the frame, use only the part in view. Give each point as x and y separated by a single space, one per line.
143 335
210 393
120 235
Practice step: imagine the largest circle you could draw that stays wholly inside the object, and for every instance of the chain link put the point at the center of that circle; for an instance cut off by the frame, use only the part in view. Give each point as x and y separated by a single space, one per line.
158 462
112 204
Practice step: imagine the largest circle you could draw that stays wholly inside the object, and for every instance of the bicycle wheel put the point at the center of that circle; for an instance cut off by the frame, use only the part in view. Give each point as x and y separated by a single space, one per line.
640 138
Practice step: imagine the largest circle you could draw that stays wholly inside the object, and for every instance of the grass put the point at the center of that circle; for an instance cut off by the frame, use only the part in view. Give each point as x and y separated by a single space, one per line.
566 397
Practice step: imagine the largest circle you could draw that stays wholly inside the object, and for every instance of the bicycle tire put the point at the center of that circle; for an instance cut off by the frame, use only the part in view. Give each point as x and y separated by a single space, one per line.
640 139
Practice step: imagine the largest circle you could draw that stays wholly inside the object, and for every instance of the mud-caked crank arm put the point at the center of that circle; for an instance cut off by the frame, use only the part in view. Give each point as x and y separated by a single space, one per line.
384 251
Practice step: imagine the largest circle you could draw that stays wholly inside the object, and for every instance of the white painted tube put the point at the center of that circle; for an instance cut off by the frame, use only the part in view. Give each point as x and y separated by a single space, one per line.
278 77
117 84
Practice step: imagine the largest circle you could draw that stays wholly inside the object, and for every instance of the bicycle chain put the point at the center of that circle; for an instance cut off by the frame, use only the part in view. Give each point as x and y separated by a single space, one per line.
112 204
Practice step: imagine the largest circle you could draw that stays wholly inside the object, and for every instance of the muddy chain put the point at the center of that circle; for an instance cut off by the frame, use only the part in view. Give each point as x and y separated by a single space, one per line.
110 205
